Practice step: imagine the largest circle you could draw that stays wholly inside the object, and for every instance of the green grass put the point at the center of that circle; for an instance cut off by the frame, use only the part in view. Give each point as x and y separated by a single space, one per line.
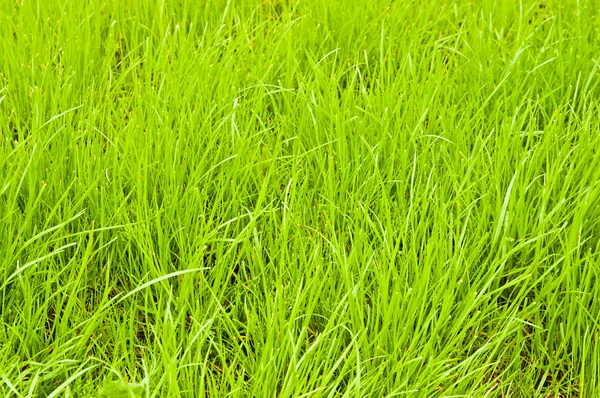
312 198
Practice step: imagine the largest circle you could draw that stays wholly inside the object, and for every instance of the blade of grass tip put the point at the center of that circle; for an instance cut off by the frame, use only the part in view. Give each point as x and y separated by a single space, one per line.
327 55
55 117
158 280
118 298
217 165
72 300
196 336
5 188
67 382
11 386
540 65
51 229
33 384
502 216
34 262
506 75
31 156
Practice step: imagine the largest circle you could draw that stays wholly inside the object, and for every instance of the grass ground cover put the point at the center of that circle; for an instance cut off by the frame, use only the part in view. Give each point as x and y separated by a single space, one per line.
299 198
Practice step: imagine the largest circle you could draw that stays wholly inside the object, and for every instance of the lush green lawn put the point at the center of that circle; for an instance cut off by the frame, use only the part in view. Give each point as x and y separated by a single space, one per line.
286 198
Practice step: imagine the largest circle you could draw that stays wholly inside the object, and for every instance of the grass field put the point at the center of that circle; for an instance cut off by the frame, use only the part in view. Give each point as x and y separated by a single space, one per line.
286 198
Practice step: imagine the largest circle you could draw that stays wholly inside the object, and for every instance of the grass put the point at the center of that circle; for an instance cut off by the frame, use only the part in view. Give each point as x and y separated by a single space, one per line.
300 199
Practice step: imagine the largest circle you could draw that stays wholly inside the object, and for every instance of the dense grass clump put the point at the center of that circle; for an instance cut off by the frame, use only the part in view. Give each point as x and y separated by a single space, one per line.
287 198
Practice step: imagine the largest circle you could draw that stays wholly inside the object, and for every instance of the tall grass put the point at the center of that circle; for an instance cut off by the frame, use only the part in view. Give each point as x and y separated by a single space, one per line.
312 198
